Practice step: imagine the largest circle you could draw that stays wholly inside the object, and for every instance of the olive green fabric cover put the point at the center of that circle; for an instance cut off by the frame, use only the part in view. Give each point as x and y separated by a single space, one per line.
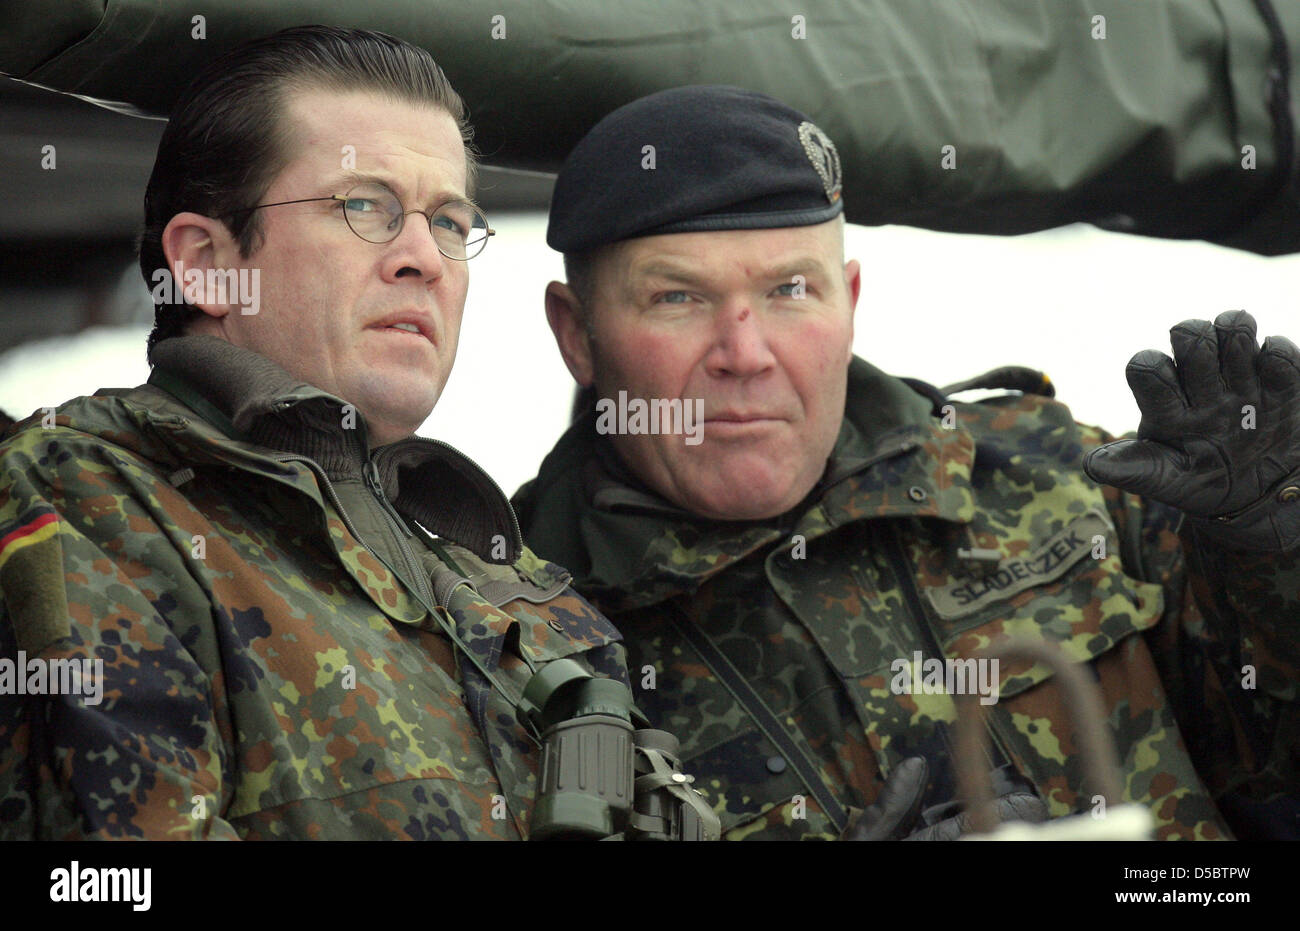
1143 129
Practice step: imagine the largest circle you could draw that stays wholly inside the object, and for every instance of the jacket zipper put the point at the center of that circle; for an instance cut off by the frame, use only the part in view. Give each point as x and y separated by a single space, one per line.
322 479
376 487
429 603
903 575
404 532
357 441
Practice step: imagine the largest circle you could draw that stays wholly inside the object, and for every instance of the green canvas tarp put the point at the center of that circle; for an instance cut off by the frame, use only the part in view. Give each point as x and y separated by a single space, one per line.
1162 117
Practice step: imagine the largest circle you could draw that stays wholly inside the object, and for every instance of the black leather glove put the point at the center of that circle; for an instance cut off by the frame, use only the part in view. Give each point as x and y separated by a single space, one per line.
1238 481
1018 806
895 813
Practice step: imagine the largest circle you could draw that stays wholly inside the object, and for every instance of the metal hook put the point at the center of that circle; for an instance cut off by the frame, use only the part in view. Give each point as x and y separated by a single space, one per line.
1083 699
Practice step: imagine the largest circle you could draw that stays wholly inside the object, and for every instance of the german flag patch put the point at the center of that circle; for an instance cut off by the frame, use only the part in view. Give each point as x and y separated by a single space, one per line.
32 579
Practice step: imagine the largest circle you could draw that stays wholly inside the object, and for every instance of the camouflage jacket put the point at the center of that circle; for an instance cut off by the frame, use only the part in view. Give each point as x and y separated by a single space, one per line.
255 582
812 611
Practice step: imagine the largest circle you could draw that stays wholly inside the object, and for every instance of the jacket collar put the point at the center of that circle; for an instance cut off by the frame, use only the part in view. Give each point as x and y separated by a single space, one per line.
893 458
255 403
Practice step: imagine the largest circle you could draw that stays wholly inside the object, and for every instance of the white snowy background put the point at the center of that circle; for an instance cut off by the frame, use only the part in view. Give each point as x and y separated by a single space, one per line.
1075 302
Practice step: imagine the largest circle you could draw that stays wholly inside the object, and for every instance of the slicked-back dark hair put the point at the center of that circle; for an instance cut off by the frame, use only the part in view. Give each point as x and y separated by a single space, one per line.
227 138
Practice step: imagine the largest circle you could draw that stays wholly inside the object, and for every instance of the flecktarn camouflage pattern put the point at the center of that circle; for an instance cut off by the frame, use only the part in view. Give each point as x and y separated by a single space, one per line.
934 532
265 674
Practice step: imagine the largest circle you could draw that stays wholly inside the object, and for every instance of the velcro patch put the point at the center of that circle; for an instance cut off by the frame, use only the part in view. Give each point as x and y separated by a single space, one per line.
1052 559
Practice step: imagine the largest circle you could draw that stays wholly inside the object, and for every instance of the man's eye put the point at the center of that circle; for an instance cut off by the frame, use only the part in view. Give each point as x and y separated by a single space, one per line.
360 205
450 224
673 297
795 289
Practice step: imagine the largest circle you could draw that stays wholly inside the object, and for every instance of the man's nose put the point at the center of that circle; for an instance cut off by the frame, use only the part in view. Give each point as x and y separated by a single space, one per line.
740 343
414 252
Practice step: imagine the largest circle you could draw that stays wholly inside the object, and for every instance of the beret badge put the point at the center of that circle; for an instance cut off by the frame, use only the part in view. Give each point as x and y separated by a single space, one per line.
825 160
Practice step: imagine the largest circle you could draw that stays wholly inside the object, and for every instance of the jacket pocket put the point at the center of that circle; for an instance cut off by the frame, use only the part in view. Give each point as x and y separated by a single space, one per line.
1069 588
529 608
754 792
1091 612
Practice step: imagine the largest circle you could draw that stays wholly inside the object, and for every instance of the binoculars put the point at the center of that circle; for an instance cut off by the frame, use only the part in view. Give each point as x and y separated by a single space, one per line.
602 777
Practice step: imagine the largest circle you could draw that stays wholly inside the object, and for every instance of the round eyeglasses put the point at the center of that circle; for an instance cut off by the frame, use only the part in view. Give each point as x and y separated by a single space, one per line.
373 212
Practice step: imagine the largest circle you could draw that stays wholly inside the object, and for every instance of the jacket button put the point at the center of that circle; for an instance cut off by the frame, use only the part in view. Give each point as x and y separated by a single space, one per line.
776 764
916 493
1289 493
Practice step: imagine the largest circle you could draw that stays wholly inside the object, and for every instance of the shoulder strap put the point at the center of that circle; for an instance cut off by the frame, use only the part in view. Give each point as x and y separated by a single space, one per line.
1015 377
184 392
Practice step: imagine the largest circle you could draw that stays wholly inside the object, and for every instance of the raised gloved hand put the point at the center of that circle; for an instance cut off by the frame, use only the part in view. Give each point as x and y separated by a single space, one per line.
894 814
1219 437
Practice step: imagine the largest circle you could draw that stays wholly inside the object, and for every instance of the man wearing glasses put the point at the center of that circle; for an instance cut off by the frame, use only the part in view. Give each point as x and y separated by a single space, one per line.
242 600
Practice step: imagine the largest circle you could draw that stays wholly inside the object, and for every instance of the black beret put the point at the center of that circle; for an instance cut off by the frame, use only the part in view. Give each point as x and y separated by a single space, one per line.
694 159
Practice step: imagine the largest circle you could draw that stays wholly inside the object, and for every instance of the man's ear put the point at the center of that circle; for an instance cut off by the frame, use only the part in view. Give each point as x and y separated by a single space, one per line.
193 244
565 315
853 282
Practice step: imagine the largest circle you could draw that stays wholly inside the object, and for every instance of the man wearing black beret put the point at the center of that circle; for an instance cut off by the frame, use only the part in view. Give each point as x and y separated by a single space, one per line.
791 540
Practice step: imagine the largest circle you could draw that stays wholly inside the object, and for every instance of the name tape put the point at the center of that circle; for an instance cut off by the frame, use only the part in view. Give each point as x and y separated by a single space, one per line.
1052 559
